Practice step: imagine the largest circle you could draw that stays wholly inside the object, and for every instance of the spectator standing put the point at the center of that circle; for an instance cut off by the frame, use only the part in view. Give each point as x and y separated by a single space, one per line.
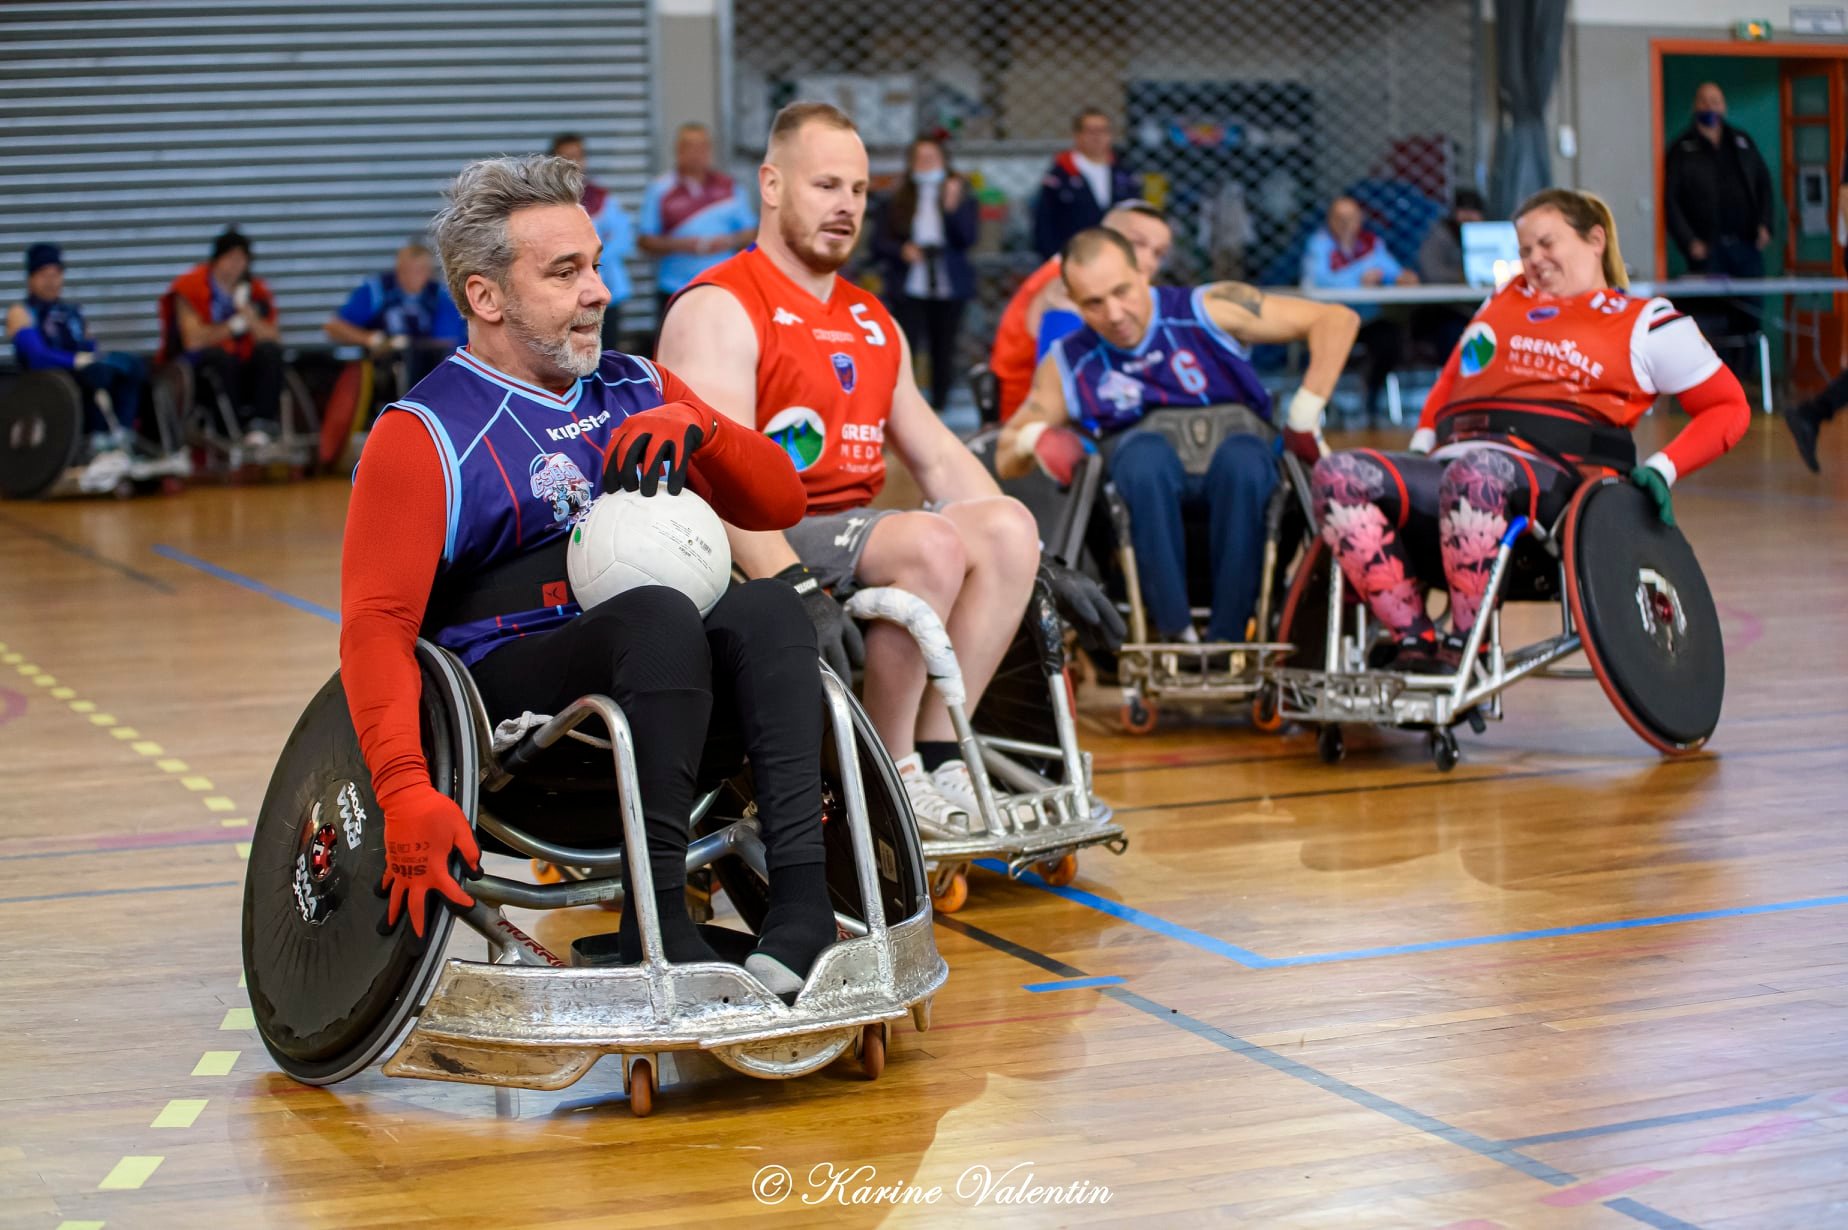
922 239
1081 185
694 216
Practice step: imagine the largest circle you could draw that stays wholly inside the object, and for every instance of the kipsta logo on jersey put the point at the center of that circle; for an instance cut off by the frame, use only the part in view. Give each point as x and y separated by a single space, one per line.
801 433
1478 347
1540 315
785 317
844 370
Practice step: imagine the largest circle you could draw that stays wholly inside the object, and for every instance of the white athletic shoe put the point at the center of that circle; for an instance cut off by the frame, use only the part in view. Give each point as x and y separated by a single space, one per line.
953 782
104 473
256 438
938 818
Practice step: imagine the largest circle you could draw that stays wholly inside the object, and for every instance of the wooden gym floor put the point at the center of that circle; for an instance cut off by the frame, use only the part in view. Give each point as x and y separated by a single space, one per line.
1570 984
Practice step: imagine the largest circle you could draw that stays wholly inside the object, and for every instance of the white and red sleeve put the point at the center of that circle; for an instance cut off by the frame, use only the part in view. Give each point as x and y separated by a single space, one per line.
1669 354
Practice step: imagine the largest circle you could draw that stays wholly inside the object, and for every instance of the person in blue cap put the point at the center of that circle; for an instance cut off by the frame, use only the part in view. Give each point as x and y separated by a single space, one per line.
48 332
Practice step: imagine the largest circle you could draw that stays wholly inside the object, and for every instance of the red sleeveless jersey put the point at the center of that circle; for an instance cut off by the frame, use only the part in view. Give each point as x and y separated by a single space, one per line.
826 373
1016 350
1602 352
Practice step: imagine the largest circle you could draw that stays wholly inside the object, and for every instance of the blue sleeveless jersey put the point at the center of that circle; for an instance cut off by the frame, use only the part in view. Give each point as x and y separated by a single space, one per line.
1184 360
521 466
59 323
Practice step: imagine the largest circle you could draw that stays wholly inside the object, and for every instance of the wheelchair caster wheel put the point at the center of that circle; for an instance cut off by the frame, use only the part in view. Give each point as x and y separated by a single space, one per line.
1329 745
1264 712
172 486
547 873
641 1088
872 1050
1476 721
952 896
1139 715
1444 752
1060 871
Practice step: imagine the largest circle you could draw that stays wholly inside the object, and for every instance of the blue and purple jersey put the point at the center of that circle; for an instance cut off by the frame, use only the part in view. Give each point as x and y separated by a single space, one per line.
1183 360
521 466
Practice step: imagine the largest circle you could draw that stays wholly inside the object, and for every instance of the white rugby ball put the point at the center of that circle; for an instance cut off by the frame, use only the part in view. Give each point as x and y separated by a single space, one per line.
628 539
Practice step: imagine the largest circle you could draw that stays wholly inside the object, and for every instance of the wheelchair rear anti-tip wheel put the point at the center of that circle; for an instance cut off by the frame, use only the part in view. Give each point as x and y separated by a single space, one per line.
1329 744
1058 872
950 893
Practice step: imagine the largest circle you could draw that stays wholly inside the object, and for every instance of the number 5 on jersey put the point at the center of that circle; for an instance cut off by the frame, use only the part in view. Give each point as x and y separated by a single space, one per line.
875 333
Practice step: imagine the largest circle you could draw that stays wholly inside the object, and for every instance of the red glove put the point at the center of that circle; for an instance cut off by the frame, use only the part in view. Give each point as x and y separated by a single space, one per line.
1305 446
422 828
1058 450
663 438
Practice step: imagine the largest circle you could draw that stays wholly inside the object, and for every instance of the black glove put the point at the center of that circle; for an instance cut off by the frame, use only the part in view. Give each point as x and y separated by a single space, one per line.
836 634
1085 606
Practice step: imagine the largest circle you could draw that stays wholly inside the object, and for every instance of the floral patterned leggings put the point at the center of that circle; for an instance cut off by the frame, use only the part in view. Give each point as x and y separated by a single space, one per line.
1377 511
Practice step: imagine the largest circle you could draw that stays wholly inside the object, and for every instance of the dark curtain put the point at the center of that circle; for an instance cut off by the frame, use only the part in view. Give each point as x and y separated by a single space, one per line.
1528 36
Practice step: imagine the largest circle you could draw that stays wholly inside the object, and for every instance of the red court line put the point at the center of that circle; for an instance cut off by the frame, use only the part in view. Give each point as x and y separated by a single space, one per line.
12 705
1599 1189
1751 628
1758 1134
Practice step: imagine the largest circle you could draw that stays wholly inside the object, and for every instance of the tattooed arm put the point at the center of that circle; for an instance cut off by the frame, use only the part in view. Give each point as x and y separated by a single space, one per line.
1256 318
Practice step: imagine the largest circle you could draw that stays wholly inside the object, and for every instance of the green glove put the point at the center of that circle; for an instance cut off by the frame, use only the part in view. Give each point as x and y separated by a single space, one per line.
1650 479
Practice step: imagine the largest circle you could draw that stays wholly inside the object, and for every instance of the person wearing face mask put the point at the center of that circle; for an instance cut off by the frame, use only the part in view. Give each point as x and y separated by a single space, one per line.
922 238
1550 376
1721 211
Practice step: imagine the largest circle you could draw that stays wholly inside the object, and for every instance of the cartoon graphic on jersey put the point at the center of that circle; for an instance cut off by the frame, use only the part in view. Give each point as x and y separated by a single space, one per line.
843 368
1478 346
557 480
801 433
1123 392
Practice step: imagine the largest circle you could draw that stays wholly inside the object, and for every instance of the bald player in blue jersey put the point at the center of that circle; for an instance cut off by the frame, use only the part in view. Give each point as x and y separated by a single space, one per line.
1145 348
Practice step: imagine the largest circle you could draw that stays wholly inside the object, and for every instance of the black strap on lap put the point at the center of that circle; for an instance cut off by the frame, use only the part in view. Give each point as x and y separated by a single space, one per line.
1557 430
526 582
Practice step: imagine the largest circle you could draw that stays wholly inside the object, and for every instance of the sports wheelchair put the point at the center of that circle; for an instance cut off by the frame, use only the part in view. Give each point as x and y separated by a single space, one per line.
1032 782
1629 594
1087 525
331 992
44 450
208 412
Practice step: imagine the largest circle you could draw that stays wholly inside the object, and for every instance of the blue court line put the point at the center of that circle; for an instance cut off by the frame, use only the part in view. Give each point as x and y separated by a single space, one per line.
1074 984
85 553
1638 1125
171 845
119 892
1253 960
250 583
1502 1152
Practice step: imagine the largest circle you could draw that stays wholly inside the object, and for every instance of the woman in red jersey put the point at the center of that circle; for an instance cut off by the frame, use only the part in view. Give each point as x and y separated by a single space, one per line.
1551 374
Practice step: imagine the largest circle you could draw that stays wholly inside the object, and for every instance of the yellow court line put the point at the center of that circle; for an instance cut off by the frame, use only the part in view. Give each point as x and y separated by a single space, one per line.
238 1018
83 706
216 1063
179 1113
235 822
171 766
45 681
129 1174
11 658
196 783
146 748
62 693
28 670
240 980
243 850
125 733
219 803
80 1225
101 719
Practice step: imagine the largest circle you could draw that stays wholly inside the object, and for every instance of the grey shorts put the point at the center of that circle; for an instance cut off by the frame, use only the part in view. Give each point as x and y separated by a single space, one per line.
830 544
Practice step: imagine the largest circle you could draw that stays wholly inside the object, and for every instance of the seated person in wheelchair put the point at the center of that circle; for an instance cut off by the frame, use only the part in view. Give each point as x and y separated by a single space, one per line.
48 333
778 341
1147 348
443 516
222 319
1041 311
1547 381
403 311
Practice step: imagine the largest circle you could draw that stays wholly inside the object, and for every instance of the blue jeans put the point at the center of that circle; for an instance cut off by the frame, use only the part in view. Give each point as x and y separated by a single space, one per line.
1233 491
122 375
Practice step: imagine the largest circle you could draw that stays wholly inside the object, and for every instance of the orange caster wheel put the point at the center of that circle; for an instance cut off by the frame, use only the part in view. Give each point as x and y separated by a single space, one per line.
547 873
873 1050
641 1088
1060 871
953 896
1139 715
1264 712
